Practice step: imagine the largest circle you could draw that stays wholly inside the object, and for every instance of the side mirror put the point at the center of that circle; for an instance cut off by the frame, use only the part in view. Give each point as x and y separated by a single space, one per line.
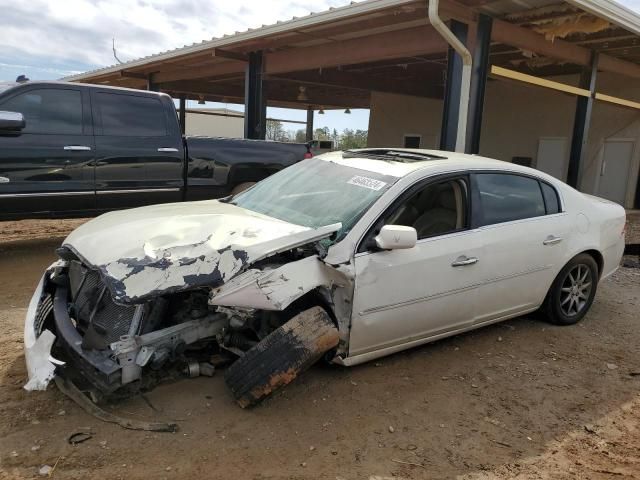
11 121
394 237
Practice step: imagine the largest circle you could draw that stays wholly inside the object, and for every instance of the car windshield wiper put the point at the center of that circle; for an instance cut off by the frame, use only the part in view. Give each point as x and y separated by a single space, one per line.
391 155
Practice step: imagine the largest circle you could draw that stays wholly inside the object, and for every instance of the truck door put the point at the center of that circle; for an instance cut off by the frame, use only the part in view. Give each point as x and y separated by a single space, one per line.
47 168
139 151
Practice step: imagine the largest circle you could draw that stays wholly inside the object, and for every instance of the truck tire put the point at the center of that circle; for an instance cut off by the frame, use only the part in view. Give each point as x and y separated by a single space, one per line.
241 187
281 356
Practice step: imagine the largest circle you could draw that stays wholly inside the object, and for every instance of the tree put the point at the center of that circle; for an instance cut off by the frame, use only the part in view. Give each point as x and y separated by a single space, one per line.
275 131
301 136
353 139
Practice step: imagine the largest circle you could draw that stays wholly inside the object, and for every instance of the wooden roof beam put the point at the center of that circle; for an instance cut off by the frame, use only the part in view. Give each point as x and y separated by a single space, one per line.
525 39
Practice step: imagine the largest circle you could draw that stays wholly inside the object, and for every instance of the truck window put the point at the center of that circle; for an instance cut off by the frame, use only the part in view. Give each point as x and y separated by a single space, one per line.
49 110
131 116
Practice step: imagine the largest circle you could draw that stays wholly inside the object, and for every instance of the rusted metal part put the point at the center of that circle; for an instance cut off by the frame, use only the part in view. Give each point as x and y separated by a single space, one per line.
71 391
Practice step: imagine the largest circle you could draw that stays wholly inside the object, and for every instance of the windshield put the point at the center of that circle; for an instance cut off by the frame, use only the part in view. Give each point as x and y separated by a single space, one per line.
314 193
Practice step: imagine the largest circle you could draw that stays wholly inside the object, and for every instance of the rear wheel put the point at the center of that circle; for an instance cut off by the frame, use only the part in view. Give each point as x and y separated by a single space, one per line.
281 356
573 290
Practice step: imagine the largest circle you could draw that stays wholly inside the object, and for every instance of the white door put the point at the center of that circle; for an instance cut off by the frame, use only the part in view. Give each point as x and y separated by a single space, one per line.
614 171
524 238
552 156
405 295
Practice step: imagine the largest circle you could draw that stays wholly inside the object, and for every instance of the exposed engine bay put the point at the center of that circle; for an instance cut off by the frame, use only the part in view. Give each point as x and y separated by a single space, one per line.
112 350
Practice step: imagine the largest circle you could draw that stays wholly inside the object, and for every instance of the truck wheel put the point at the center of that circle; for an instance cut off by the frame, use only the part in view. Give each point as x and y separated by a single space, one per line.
241 187
281 356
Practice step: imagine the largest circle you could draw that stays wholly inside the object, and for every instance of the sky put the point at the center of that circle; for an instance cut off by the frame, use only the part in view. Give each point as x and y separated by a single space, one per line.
50 39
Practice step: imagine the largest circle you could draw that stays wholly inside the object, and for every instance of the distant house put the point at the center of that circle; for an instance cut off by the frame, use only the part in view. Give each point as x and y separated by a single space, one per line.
215 122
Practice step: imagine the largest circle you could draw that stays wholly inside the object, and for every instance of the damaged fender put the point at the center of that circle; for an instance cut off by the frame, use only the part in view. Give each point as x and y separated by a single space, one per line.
41 365
277 289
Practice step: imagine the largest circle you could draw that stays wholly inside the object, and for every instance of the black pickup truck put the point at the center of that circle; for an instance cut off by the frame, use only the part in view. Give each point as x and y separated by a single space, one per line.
69 149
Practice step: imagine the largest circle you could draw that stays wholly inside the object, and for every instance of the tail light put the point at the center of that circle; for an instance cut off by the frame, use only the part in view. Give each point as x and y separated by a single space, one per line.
308 155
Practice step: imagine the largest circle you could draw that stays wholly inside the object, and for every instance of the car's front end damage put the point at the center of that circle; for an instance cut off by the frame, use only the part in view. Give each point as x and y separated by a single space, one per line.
158 292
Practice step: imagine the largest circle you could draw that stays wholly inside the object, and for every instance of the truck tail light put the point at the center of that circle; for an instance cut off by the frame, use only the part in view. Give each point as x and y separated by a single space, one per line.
308 155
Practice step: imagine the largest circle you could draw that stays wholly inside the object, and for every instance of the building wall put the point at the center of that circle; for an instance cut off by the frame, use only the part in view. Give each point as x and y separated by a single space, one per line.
516 116
215 126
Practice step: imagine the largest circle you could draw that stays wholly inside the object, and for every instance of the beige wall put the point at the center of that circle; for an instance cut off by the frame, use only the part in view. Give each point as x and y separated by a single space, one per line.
516 116
214 126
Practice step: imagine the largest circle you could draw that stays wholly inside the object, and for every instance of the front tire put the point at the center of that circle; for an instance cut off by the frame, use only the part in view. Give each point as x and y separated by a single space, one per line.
572 291
281 356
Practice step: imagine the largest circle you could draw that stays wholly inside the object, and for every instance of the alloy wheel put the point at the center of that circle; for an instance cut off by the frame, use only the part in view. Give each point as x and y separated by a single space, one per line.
575 291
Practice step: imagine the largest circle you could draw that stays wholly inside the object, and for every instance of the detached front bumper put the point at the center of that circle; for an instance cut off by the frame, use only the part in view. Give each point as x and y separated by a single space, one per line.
41 365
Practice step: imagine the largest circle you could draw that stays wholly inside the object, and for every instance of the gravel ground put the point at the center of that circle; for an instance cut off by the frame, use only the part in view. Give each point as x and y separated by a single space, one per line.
521 399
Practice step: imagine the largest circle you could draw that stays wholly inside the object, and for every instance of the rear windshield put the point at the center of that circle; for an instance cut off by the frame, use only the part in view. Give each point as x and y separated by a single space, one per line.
314 193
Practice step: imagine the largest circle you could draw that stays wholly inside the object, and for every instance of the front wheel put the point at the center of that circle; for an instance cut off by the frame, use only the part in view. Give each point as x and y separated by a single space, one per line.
573 290
281 356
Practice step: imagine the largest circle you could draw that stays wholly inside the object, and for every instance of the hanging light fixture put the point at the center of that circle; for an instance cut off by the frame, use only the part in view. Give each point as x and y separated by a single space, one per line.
302 94
348 111
321 111
201 100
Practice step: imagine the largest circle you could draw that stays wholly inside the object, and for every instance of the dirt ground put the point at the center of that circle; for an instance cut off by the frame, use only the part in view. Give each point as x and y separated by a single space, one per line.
521 399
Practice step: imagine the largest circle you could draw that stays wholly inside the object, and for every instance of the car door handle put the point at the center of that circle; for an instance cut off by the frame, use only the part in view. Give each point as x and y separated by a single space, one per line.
77 148
552 240
463 260
167 149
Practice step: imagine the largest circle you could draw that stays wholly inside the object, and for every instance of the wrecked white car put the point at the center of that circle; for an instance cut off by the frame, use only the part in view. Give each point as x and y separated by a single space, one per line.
349 256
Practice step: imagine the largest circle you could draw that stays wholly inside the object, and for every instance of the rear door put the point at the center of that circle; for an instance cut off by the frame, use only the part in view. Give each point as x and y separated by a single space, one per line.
523 233
47 167
139 151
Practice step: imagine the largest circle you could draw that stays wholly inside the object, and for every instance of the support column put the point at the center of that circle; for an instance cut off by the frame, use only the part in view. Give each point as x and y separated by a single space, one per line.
309 137
581 123
449 127
151 85
479 75
255 105
183 114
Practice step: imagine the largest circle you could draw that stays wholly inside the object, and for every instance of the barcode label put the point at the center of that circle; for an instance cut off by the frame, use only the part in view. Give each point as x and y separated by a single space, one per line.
366 182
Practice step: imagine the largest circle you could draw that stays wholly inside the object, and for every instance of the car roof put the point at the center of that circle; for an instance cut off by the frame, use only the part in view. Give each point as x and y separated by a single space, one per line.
62 83
435 161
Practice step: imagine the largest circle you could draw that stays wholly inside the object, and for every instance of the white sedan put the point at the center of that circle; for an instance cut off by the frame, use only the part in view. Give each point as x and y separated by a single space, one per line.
348 256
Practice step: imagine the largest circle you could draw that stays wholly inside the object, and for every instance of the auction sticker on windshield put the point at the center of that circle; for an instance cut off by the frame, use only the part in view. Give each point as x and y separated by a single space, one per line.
366 182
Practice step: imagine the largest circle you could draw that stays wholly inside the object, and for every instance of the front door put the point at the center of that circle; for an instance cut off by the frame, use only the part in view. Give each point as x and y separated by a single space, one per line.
139 156
615 170
407 295
47 167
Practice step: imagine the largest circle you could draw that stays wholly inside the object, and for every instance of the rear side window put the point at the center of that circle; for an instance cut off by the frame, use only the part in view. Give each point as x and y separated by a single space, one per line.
550 198
506 197
54 111
131 116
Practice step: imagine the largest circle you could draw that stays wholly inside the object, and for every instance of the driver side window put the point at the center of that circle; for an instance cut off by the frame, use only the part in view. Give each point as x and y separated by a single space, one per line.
436 209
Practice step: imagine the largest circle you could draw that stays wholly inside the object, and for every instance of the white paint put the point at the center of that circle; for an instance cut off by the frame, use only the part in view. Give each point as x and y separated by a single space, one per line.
615 169
277 289
37 350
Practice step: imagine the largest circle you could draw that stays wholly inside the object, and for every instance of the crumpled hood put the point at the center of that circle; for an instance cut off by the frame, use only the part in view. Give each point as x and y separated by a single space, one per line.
158 249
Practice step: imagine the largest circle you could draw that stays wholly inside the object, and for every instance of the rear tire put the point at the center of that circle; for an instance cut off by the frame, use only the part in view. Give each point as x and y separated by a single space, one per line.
241 187
281 356
572 291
